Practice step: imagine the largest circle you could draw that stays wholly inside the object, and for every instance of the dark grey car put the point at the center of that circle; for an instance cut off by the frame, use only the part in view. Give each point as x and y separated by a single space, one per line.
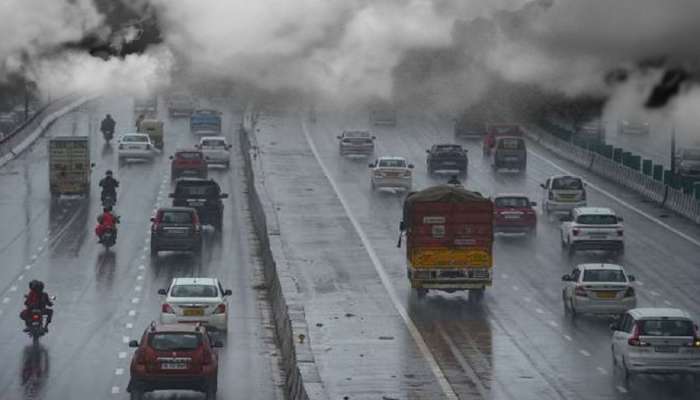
176 229
510 152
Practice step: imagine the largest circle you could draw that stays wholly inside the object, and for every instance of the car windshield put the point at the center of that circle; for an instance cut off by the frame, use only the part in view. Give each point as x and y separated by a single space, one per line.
194 290
597 219
505 130
206 190
392 163
666 327
172 341
604 275
692 155
189 155
356 135
567 183
213 143
512 202
176 217
511 144
135 139
448 149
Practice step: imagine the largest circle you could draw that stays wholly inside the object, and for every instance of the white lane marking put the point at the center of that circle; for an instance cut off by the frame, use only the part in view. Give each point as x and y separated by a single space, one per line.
125 339
129 325
516 288
115 389
5 300
137 288
139 278
654 293
668 303
132 313
473 377
34 257
553 324
567 337
584 352
602 370
141 266
143 257
145 248
504 276
135 300
46 239
13 288
28 267
40 248
122 354
539 311
386 281
640 283
624 203
621 389
527 299
19 278
119 371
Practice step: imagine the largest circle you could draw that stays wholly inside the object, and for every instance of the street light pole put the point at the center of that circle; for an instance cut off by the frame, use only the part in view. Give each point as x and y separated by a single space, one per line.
673 149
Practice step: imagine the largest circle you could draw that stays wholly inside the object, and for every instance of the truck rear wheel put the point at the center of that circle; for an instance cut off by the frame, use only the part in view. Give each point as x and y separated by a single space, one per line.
476 295
421 293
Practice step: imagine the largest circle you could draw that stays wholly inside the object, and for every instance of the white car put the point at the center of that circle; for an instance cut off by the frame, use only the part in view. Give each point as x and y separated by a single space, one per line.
195 300
391 172
592 228
135 146
656 341
215 150
563 193
598 289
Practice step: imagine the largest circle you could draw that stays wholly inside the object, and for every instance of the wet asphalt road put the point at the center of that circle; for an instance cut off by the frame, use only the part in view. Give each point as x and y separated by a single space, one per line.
105 298
518 343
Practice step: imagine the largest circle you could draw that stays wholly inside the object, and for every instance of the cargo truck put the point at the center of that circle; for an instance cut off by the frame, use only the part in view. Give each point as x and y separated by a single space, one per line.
69 166
449 240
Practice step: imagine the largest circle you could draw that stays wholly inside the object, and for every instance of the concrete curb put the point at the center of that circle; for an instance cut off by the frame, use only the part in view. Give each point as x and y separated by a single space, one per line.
43 125
302 380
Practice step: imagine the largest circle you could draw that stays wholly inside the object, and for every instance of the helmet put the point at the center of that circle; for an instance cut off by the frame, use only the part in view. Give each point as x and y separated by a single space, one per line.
109 172
108 116
34 284
40 286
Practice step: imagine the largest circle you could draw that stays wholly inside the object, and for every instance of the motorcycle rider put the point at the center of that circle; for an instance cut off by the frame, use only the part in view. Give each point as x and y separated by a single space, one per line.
109 186
138 121
108 124
37 299
106 220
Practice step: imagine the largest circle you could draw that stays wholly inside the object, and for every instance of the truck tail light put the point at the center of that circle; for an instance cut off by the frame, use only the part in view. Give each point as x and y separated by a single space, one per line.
696 338
167 309
148 146
620 232
551 195
581 291
575 232
583 195
629 292
635 340
220 309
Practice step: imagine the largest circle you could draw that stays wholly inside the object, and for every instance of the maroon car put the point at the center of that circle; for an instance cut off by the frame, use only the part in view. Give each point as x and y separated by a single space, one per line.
189 163
514 213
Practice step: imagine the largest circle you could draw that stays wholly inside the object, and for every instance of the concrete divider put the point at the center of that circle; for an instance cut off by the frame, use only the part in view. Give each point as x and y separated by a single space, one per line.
302 380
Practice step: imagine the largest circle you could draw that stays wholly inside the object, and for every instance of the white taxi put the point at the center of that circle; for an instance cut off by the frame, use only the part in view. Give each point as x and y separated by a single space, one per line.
135 146
391 172
598 289
195 300
215 150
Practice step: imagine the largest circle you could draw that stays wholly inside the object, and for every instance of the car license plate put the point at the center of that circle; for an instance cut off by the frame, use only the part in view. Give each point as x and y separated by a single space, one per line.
193 312
512 216
173 366
598 236
511 158
449 163
134 147
606 295
666 349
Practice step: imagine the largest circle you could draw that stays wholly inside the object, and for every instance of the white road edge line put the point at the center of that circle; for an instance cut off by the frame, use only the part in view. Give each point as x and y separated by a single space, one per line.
473 377
386 282
619 200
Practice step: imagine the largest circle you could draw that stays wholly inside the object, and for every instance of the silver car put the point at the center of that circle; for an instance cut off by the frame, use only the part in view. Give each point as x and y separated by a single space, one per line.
356 143
215 150
598 289
391 172
656 341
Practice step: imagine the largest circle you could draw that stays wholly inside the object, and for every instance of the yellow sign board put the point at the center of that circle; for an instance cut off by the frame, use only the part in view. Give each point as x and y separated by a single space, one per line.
446 257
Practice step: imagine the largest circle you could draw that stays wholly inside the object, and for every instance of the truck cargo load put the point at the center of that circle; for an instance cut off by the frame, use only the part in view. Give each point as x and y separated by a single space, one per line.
449 239
205 122
69 165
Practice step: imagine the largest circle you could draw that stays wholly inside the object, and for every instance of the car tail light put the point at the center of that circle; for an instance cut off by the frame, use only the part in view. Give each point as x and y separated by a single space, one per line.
696 338
551 195
581 291
575 232
121 146
620 232
629 292
36 317
156 223
148 146
583 195
220 309
635 340
167 309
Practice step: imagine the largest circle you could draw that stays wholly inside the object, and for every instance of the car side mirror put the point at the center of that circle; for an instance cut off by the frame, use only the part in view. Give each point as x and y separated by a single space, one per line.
565 218
402 226
427 151
543 186
338 137
171 157
153 219
533 204
371 165
218 344
620 219
171 195
92 165
631 278
162 292
411 166
566 278
133 343
614 326
228 292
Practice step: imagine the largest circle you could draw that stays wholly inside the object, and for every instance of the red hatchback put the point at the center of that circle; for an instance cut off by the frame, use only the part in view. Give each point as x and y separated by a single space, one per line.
189 163
514 213
174 357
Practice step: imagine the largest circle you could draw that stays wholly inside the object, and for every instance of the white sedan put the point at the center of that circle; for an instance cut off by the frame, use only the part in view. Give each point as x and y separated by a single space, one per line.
135 146
598 289
391 172
195 300
215 150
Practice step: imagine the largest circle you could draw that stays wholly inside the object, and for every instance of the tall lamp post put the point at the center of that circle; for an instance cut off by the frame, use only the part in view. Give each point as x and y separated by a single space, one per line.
673 149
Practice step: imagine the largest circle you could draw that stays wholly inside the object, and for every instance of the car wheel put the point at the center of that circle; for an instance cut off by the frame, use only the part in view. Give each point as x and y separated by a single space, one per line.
566 303
572 248
614 358
476 295
572 309
136 394
421 293
210 394
372 185
626 373
154 250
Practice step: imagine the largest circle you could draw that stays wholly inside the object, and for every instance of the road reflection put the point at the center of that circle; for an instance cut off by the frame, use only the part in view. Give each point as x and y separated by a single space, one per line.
34 370
104 268
67 221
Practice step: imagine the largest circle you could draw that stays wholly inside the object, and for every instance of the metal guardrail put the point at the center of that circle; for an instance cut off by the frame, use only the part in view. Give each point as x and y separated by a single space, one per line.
673 199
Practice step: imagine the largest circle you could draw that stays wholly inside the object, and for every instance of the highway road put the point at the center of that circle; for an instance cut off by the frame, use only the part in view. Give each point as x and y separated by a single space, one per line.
517 343
105 298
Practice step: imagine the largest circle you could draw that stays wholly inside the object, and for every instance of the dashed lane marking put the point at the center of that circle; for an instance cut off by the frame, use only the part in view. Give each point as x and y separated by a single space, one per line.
19 278
137 288
640 283
13 288
567 337
621 389
135 300
668 303
119 371
115 389
28 267
539 311
125 339
584 352
132 313
527 299
34 257
141 267
516 288
122 354
5 300
654 293
129 325
553 324
602 370
139 278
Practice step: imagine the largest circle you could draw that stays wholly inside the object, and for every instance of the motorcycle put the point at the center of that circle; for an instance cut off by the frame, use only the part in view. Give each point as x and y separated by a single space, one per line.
109 238
108 200
37 327
108 134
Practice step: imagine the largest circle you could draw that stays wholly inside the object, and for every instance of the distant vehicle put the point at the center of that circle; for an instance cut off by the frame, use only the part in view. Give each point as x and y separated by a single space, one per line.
69 165
598 289
354 142
656 341
514 213
384 115
181 105
176 229
449 240
591 130
146 105
135 146
215 150
447 158
154 129
688 162
196 300
391 172
509 152
625 127
205 122
204 195
592 228
494 131
188 163
174 357
469 128
563 193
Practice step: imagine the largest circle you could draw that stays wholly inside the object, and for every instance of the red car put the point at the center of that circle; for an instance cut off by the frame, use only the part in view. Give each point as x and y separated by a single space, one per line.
188 163
174 357
514 213
496 130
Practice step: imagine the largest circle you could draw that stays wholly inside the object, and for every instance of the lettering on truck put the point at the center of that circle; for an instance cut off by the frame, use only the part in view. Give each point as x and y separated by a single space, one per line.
69 165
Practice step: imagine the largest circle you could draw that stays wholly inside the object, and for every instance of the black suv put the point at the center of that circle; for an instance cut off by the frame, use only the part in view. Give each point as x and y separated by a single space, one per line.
204 195
176 228
447 157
